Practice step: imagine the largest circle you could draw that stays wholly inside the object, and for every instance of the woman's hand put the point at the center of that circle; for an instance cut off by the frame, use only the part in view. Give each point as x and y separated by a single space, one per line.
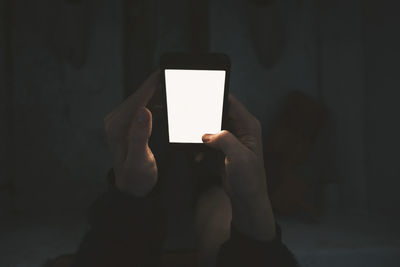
245 180
128 129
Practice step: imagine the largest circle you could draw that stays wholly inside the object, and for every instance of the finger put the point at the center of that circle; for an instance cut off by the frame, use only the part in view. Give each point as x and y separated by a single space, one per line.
241 118
118 122
244 125
226 142
121 117
139 133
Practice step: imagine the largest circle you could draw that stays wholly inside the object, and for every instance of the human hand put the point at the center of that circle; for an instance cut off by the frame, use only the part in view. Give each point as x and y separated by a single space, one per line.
128 129
245 179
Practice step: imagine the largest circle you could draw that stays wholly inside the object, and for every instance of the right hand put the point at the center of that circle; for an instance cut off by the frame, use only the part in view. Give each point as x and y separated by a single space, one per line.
128 129
245 178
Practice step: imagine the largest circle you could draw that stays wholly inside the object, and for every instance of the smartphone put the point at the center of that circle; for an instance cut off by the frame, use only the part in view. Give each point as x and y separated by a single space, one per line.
196 95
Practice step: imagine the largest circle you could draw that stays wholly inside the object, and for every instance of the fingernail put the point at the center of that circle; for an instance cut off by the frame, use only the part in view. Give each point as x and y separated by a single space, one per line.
142 116
206 138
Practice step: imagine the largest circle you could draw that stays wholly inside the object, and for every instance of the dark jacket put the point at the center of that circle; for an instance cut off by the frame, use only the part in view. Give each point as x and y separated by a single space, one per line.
129 231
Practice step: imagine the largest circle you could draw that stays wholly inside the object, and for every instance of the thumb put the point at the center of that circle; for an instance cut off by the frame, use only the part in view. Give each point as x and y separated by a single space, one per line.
224 141
140 130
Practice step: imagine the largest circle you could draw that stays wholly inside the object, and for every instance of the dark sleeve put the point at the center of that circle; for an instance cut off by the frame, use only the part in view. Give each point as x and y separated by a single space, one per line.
124 231
240 250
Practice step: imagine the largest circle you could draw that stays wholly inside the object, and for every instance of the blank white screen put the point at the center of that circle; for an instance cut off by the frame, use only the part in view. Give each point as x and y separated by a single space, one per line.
194 103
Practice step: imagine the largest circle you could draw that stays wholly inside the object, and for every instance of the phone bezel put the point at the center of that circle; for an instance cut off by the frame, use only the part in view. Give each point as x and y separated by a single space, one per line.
207 61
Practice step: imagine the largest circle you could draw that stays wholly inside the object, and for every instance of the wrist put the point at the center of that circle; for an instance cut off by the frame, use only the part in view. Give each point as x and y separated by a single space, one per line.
253 217
137 188
134 190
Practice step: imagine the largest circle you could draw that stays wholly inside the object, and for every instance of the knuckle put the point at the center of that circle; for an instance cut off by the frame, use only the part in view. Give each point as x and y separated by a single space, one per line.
112 132
107 122
225 136
256 125
224 133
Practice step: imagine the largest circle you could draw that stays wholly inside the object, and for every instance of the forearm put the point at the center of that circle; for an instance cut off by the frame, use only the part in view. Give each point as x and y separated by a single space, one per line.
253 216
124 231
240 250
255 237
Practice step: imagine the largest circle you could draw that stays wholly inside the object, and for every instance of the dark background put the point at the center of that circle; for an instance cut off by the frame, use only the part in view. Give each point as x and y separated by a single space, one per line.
65 64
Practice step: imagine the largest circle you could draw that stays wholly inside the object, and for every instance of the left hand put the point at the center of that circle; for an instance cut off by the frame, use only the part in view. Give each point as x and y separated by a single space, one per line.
128 130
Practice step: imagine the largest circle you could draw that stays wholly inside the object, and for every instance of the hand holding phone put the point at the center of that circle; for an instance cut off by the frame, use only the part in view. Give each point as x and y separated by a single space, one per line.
128 129
245 177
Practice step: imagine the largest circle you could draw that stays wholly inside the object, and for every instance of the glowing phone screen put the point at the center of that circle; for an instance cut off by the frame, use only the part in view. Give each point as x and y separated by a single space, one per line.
195 101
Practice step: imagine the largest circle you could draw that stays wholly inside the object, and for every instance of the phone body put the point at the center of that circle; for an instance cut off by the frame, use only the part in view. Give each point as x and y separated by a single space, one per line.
196 91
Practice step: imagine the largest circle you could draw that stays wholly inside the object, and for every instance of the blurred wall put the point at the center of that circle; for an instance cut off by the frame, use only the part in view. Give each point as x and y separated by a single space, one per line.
6 111
68 74
64 86
2 95
382 42
342 83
